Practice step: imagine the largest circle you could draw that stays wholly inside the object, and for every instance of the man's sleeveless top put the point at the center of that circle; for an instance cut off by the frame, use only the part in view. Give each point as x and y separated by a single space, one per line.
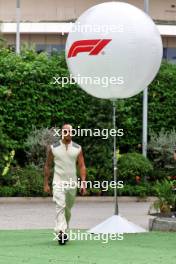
65 161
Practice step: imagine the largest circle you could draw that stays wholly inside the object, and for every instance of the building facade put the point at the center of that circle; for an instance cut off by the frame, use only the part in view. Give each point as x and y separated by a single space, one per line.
45 23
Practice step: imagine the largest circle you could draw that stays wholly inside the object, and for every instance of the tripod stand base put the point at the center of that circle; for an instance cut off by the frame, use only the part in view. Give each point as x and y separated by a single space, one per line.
116 224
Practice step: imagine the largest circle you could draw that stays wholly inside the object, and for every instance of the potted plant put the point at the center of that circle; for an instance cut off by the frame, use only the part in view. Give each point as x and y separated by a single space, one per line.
166 197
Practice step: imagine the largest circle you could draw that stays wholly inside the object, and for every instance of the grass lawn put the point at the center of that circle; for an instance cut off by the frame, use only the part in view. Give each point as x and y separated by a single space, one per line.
38 247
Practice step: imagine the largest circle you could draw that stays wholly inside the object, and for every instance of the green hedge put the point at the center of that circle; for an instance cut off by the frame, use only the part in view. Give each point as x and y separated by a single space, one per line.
29 98
26 181
131 165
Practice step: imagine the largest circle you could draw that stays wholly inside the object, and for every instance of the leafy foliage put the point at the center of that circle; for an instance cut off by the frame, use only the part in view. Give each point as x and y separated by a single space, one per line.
166 196
26 181
161 147
36 145
131 165
29 100
161 108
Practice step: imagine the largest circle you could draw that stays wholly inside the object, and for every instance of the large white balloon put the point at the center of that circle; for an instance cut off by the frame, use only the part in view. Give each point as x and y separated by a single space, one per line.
114 50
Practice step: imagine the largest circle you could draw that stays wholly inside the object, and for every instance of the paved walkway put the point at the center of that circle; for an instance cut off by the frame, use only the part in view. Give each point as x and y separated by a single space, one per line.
38 213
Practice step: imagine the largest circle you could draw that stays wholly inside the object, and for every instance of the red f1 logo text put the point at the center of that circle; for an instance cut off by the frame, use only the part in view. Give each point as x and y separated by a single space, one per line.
93 46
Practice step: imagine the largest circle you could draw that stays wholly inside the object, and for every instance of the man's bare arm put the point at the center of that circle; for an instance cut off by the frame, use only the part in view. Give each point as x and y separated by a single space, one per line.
82 171
47 169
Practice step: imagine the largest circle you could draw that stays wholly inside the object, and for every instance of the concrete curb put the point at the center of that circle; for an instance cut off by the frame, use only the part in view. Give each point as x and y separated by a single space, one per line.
78 199
162 224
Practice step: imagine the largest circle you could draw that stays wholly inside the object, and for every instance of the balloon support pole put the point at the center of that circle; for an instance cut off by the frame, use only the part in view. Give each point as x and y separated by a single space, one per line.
116 223
116 208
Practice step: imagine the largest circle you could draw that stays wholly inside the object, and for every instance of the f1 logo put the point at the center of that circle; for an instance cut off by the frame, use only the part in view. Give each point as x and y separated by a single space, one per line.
93 46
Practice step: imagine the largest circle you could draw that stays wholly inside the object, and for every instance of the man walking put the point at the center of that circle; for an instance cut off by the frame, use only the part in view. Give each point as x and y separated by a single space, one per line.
66 154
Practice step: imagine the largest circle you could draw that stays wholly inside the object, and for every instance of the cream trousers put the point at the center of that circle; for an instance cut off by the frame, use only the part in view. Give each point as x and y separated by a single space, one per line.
64 199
